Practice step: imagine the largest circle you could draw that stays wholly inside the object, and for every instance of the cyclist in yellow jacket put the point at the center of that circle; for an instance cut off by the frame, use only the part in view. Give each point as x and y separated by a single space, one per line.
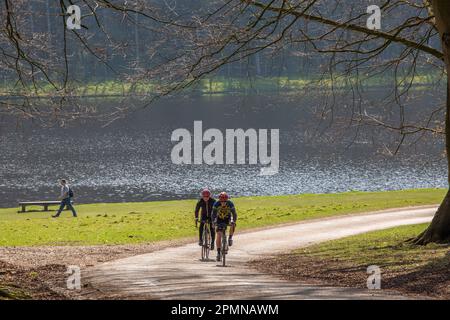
223 215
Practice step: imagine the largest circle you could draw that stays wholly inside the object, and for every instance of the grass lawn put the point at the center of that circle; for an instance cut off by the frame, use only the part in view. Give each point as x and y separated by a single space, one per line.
386 248
123 223
423 270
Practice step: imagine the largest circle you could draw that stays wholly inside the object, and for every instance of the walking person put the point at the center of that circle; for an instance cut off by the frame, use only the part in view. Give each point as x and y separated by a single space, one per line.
66 199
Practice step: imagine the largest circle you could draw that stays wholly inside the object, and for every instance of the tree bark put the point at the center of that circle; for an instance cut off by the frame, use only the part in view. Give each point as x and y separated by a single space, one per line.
439 229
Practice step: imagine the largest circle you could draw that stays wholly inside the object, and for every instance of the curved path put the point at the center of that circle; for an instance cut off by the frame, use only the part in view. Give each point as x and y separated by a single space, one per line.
177 273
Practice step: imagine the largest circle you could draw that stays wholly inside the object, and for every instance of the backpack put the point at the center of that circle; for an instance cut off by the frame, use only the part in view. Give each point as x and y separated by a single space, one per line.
70 193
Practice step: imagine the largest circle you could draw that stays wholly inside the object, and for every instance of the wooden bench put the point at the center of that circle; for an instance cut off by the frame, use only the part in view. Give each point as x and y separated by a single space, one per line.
45 204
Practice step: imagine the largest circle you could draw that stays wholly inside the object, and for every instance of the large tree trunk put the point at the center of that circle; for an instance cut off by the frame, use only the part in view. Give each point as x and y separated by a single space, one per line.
439 229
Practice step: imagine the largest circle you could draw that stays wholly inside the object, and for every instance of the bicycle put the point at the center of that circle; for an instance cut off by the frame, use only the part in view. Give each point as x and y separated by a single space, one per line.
206 239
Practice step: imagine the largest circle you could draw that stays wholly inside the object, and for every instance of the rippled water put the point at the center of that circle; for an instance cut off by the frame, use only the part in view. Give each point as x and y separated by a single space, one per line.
130 160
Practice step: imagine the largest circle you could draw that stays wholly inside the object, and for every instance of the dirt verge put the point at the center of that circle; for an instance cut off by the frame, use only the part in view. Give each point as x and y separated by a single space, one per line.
40 272
431 280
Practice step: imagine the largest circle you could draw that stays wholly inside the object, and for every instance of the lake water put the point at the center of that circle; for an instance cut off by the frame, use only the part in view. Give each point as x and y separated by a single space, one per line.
129 160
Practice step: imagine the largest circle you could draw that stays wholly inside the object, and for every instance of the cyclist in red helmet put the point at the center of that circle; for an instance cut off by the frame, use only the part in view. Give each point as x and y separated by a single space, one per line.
205 205
223 211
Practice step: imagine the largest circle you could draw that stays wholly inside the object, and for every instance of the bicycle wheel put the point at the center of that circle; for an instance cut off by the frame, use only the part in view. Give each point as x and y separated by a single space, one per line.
203 244
203 253
206 240
223 259
224 248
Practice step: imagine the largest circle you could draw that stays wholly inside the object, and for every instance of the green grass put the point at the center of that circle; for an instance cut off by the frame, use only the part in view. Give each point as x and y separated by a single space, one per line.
385 248
121 223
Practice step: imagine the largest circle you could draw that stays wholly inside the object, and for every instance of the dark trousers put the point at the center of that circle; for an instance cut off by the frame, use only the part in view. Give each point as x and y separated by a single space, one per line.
211 229
66 202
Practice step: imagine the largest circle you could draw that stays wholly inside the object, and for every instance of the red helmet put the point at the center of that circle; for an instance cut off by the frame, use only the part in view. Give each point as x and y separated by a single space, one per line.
206 193
223 196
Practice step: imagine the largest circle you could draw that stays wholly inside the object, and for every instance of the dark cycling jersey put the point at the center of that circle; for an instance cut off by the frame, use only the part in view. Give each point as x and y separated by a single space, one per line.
204 208
223 214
